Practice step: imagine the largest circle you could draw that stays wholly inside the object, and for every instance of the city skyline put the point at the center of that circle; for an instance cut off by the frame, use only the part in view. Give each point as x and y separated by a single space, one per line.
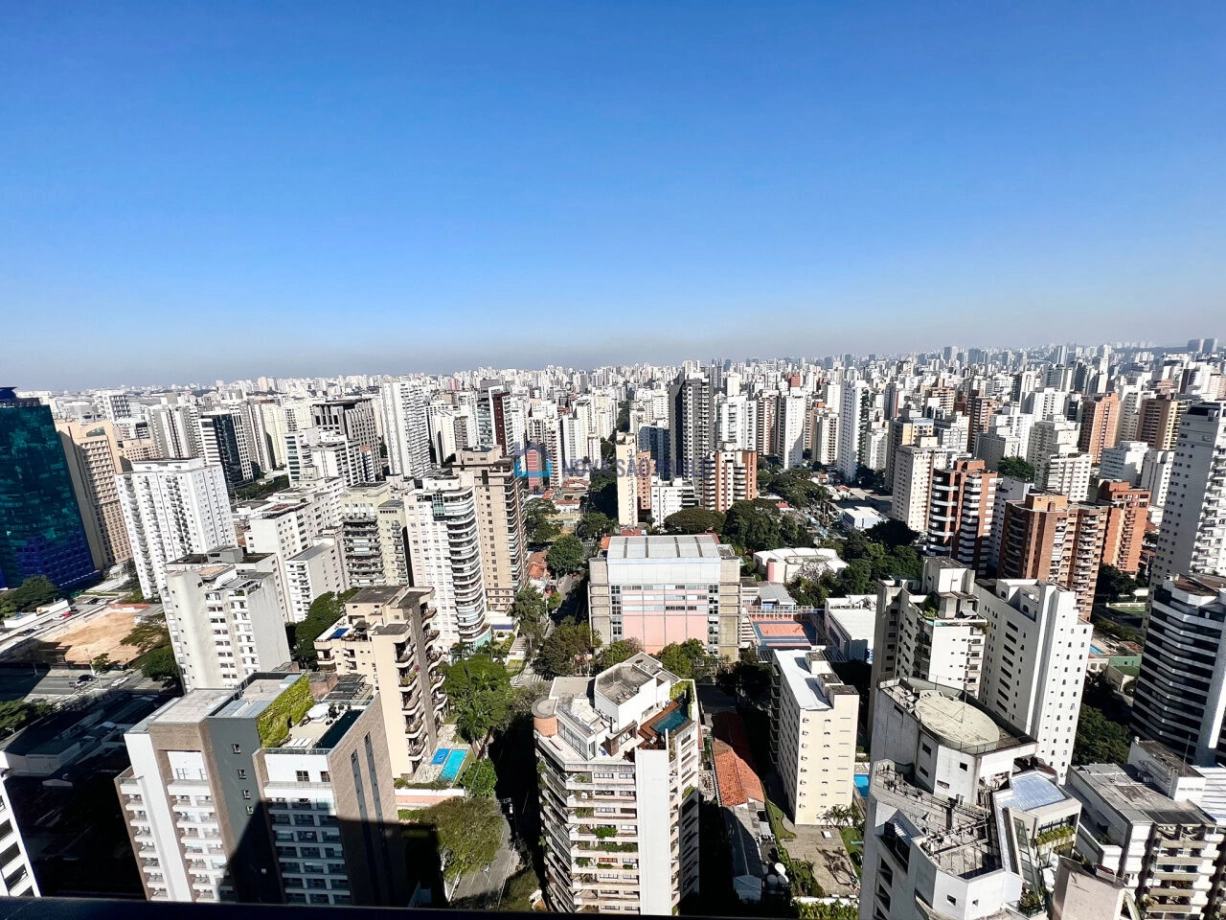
401 189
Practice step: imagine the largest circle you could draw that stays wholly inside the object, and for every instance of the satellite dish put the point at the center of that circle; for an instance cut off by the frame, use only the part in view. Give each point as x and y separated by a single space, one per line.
781 871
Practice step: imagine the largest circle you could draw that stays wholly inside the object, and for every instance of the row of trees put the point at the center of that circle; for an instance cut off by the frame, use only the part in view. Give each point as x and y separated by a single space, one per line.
750 525
151 637
32 593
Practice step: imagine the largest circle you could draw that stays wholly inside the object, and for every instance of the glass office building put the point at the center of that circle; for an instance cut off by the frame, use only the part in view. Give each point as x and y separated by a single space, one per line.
40 524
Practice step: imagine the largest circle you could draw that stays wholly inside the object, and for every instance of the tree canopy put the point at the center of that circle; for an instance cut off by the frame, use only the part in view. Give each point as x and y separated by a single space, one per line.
567 650
616 652
479 690
694 520
1016 468
530 611
796 487
323 612
539 523
469 833
594 525
892 533
870 479
688 659
480 778
1114 585
32 593
16 714
759 525
566 556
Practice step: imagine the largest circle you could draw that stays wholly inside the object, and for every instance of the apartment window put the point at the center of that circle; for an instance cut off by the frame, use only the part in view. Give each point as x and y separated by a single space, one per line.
250 809
247 794
325 776
303 776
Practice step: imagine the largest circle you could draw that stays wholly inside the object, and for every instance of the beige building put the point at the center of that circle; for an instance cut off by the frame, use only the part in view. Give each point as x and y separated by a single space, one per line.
499 496
264 794
914 465
388 636
729 476
813 733
94 459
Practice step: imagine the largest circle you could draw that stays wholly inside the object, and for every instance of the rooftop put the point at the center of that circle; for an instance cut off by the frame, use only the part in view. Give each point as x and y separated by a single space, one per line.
621 682
376 594
1123 790
699 546
950 716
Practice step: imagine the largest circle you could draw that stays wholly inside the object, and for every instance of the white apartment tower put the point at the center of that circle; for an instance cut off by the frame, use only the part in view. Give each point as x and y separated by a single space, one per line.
444 547
173 508
1035 666
851 421
406 428
620 761
1193 535
226 622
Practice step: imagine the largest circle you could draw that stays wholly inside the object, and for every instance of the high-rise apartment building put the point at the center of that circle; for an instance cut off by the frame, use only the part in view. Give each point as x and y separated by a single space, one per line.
499 498
1158 422
388 636
443 538
353 418
1038 646
175 429
960 513
1046 538
1124 462
223 441
406 428
226 621
1180 697
853 418
691 424
1193 534
904 432
372 536
931 628
790 430
728 476
914 466
41 527
312 454
951 830
1127 519
94 458
263 794
1065 474
813 734
1100 424
619 756
172 509
661 590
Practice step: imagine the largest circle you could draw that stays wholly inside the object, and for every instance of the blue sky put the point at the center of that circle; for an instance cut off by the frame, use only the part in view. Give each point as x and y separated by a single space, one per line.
201 190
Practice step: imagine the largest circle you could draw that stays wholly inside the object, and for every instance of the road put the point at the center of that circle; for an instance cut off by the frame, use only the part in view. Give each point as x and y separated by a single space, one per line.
61 684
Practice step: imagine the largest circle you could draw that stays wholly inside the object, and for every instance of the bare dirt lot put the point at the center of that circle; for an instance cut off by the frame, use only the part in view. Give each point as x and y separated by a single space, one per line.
101 634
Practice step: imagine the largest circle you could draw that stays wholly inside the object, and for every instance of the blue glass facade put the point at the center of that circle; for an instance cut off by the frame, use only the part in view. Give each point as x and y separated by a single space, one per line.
40 524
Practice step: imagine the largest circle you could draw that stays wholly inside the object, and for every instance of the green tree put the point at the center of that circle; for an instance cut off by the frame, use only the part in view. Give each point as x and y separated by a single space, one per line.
539 523
1016 468
160 664
530 613
687 659
753 525
480 778
567 650
324 611
148 634
32 593
566 556
469 833
594 525
617 651
479 690
1112 584
694 520
101 663
1099 740
16 714
797 488
870 479
892 533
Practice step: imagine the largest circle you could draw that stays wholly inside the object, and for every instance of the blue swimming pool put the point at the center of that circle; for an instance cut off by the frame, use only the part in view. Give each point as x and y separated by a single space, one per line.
861 781
451 769
1095 650
439 756
671 722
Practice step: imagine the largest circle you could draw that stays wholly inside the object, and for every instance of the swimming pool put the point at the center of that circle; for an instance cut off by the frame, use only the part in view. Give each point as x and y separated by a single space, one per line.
439 756
451 768
1095 650
861 781
671 722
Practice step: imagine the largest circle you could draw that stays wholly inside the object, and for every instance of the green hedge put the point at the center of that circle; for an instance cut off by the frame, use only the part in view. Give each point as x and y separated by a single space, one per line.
286 710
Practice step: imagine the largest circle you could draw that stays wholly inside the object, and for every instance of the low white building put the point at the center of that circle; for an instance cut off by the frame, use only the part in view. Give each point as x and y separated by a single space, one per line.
783 566
850 623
